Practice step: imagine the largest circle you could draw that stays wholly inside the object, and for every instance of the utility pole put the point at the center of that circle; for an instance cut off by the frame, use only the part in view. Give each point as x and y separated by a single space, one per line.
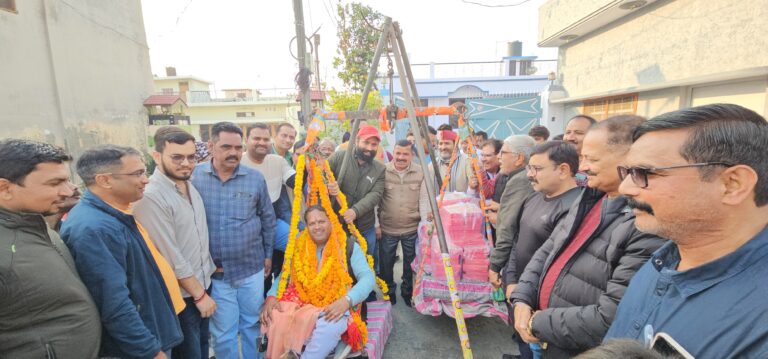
316 39
304 77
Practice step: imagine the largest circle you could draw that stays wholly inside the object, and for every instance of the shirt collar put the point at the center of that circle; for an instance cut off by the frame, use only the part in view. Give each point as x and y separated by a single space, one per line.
208 167
695 280
163 180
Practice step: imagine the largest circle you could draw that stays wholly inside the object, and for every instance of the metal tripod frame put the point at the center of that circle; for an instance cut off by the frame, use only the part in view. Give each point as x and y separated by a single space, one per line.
391 37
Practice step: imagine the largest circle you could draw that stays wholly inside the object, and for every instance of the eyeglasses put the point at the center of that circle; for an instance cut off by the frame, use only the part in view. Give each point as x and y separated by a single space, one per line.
534 169
179 159
640 174
137 174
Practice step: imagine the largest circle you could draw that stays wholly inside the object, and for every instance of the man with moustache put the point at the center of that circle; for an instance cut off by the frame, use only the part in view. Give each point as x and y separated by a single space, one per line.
279 175
699 177
513 157
405 197
241 226
489 162
173 214
550 169
568 293
363 185
54 220
460 170
134 287
45 310
575 131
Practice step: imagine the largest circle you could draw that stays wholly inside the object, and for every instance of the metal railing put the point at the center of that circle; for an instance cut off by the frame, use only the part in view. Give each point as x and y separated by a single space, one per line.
513 68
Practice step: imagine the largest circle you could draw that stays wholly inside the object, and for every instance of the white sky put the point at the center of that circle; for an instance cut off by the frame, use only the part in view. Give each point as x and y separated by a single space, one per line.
244 43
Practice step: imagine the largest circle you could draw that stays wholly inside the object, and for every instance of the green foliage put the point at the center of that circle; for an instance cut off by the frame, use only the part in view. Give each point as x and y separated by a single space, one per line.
357 43
347 101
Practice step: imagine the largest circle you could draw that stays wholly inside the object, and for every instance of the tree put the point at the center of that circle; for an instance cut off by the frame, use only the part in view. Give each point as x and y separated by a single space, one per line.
348 101
358 35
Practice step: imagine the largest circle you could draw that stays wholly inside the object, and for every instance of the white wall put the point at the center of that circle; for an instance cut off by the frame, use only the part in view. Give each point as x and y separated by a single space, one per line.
74 73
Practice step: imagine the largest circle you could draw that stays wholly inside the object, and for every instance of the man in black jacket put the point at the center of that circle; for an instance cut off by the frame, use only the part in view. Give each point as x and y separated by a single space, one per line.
567 296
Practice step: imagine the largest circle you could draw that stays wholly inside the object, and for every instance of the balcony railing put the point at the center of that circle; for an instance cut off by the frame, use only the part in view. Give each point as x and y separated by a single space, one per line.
266 95
163 120
518 67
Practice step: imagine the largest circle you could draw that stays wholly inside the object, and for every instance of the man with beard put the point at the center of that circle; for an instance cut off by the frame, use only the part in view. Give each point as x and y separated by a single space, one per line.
278 174
241 226
550 169
399 215
44 307
173 214
363 184
578 276
285 137
460 169
699 177
132 284
575 131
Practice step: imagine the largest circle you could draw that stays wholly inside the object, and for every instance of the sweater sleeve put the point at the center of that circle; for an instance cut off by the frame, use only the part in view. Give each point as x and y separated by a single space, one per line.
365 277
517 189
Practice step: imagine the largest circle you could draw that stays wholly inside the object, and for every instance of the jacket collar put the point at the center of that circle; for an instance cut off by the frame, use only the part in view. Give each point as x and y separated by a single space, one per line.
11 219
695 280
95 201
391 168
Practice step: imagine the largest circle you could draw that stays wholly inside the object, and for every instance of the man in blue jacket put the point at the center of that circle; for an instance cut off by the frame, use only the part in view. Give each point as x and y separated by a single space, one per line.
699 177
114 260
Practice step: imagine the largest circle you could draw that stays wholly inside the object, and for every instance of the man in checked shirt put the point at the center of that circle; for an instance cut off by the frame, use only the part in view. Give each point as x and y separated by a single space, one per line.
241 225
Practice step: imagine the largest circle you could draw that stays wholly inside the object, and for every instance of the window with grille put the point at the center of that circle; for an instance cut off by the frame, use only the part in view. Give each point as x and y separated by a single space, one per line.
602 108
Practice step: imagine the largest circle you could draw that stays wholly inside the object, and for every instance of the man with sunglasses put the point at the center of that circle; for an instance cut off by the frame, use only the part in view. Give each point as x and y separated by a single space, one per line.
567 295
699 177
172 211
133 286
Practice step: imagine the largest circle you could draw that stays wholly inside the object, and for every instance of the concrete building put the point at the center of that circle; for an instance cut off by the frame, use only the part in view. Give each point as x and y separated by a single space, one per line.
502 97
74 73
205 106
647 57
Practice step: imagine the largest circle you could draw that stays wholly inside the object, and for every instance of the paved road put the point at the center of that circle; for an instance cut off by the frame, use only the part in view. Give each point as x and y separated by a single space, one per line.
420 336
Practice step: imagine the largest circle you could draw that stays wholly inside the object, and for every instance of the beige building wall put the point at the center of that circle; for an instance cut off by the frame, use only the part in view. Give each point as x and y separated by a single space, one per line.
666 42
74 73
262 113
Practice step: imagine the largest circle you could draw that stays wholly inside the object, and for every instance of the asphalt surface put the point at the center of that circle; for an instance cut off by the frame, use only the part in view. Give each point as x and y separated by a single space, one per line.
420 336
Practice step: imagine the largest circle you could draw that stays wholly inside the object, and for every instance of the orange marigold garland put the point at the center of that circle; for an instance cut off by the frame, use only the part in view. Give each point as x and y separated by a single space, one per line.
342 200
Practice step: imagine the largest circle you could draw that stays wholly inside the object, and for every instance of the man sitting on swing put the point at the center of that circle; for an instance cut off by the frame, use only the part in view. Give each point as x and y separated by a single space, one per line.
312 307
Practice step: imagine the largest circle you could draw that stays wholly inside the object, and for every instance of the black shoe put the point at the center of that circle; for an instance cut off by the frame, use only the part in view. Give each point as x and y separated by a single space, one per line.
371 297
407 301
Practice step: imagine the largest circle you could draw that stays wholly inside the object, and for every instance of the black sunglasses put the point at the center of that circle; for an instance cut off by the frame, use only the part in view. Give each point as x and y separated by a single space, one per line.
640 174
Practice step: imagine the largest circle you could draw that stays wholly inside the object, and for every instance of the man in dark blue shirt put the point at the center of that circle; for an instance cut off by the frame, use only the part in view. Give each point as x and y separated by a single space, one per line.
699 177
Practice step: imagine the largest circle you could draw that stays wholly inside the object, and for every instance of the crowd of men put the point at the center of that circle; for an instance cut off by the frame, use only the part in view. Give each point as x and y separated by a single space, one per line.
627 228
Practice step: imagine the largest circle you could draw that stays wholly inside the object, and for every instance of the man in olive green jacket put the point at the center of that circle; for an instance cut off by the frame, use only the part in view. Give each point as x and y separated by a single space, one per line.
45 310
363 184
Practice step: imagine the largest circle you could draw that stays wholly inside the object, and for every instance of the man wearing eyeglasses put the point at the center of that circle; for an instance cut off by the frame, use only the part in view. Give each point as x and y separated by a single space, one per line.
699 177
567 295
172 211
134 287
550 169
513 157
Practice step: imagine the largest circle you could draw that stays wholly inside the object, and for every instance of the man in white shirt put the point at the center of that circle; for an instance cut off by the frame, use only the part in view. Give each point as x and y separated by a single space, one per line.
278 173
